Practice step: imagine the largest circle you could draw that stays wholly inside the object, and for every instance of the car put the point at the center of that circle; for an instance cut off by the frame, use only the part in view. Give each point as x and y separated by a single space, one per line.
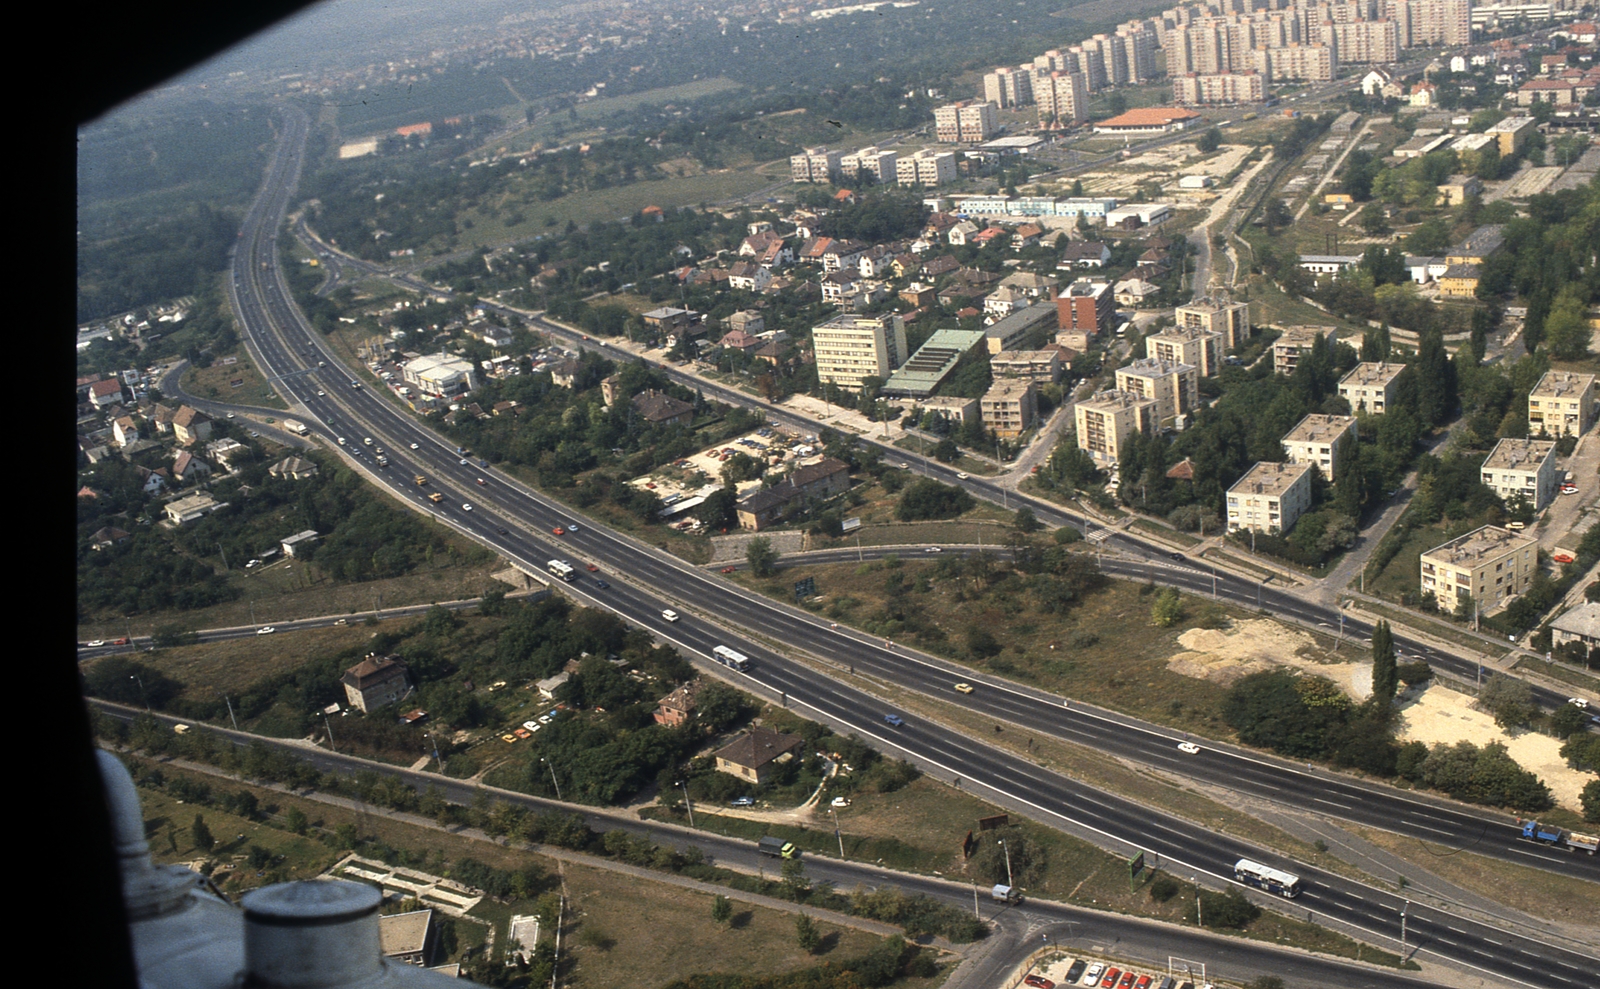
95 643
1578 702
322 394
839 802
1110 978
963 688
366 441
743 802
342 621
545 719
502 530
1143 983
252 564
355 384
265 630
254 434
1092 976
1038 982
322 363
935 549
559 531
508 738
1175 557
729 569
903 466
894 719
482 482
464 461
1075 971
1516 526
466 506
1127 980
594 567
522 733
572 527
1562 556
416 446
1569 489
963 475
1188 747
669 615
601 584
230 415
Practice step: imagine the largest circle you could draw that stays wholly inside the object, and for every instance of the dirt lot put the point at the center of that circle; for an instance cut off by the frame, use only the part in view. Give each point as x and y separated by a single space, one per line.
1254 645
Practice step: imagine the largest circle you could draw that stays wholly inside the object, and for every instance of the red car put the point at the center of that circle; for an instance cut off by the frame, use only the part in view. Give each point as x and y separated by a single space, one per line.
1127 981
729 569
1110 978
593 568
1143 983
119 642
559 531
1038 982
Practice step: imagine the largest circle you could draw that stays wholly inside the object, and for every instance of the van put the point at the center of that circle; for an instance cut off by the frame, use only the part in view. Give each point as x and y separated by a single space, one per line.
1516 526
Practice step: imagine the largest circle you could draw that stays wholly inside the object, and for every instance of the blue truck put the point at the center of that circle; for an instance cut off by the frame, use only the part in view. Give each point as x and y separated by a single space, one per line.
1549 834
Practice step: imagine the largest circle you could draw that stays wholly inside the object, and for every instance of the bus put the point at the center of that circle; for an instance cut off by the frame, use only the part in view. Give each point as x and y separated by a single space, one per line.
732 660
1267 878
562 569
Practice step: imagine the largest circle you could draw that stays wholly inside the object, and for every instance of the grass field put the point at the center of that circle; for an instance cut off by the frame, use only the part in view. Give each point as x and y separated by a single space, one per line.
237 383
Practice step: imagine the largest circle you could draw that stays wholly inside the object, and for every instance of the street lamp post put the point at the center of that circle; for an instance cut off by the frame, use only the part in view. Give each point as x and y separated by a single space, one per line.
837 836
1199 917
142 693
553 779
1009 880
686 801
1403 931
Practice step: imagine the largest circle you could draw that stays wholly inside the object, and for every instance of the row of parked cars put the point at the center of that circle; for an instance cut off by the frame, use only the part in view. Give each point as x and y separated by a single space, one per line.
1085 973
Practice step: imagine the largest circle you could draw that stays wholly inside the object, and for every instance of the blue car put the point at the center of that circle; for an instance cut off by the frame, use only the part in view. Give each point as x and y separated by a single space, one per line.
601 584
894 719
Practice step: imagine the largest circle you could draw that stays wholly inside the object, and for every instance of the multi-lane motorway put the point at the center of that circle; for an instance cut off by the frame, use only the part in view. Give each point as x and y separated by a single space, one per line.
517 522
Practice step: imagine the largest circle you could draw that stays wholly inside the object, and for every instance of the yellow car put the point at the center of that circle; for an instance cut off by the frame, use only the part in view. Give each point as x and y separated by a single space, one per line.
508 738
964 688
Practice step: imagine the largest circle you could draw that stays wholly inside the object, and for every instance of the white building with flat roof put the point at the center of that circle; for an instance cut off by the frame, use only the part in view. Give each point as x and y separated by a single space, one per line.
850 348
1319 439
1491 564
440 374
1174 387
1109 419
1269 498
1371 387
1525 467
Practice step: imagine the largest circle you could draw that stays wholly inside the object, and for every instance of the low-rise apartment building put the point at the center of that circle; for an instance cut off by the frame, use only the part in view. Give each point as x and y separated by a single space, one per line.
1216 315
1269 498
1525 467
1491 564
1088 306
1174 387
1371 387
1319 439
1043 366
1187 345
1562 404
926 168
1109 419
1009 407
814 165
1297 340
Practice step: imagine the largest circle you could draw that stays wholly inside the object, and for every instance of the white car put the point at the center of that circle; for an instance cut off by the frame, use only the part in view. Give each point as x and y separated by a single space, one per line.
415 446
466 506
322 394
531 725
963 475
1577 702
572 527
1188 747
265 630
1092 977
839 802
95 643
670 615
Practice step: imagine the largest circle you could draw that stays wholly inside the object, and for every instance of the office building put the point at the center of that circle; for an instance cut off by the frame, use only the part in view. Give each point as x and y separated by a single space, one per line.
850 348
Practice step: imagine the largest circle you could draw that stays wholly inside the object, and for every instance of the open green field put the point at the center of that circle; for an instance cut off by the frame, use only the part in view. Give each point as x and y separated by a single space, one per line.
238 382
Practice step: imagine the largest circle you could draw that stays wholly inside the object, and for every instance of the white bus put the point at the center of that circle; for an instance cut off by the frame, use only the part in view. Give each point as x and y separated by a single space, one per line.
1267 878
563 570
732 660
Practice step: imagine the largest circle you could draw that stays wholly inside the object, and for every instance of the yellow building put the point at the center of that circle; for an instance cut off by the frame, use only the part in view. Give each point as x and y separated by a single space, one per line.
1106 421
1371 387
1270 498
1491 564
1562 404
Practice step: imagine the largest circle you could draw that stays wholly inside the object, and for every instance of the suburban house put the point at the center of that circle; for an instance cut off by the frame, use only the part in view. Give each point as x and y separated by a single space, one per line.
191 426
752 755
678 706
375 682
660 409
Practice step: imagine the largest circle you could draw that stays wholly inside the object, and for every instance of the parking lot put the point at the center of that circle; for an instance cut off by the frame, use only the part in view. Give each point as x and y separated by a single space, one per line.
1065 970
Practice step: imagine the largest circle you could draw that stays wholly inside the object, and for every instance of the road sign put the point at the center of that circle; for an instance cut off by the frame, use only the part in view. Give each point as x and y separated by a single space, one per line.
805 588
1135 866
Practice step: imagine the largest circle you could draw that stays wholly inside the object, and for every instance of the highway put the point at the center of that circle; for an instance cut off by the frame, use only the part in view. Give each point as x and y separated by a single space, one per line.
516 521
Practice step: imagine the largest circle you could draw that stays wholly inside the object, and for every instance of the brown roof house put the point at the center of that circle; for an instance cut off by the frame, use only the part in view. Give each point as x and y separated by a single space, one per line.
677 707
191 425
752 755
823 479
660 409
375 682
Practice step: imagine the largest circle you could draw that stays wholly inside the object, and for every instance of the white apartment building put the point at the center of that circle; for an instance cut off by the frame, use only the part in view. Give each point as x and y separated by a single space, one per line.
927 168
1562 404
1217 315
1007 87
814 165
1174 387
872 161
1062 97
1371 387
1525 467
965 122
1270 498
1319 439
1491 564
1187 345
851 348
1106 421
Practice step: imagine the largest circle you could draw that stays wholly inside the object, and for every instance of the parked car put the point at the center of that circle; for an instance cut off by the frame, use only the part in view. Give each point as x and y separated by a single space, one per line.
1038 982
1092 977
839 802
522 733
743 802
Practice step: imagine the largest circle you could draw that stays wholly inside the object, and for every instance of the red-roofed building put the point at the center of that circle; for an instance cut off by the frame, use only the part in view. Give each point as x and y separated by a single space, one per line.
422 130
655 213
1149 120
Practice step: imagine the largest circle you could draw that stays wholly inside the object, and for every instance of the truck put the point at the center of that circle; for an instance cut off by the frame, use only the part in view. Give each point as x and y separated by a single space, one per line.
1549 834
1005 894
296 427
778 848
421 480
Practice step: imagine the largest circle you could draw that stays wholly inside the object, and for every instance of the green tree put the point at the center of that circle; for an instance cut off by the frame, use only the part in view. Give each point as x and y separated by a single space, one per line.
1167 610
721 909
1025 520
295 820
1590 800
1567 719
1385 675
763 559
201 835
805 934
1508 699
795 881
1209 141
1566 329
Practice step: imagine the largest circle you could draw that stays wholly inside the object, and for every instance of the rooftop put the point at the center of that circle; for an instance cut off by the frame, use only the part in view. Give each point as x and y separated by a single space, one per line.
1154 116
932 361
1007 389
1583 620
1113 399
1517 454
1317 428
1305 336
1556 384
758 747
1270 478
1155 367
1491 541
1372 375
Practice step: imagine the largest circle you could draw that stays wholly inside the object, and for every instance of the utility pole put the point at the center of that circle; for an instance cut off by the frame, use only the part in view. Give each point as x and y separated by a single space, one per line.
686 801
329 725
553 780
231 716
836 834
1199 916
1403 931
1009 880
